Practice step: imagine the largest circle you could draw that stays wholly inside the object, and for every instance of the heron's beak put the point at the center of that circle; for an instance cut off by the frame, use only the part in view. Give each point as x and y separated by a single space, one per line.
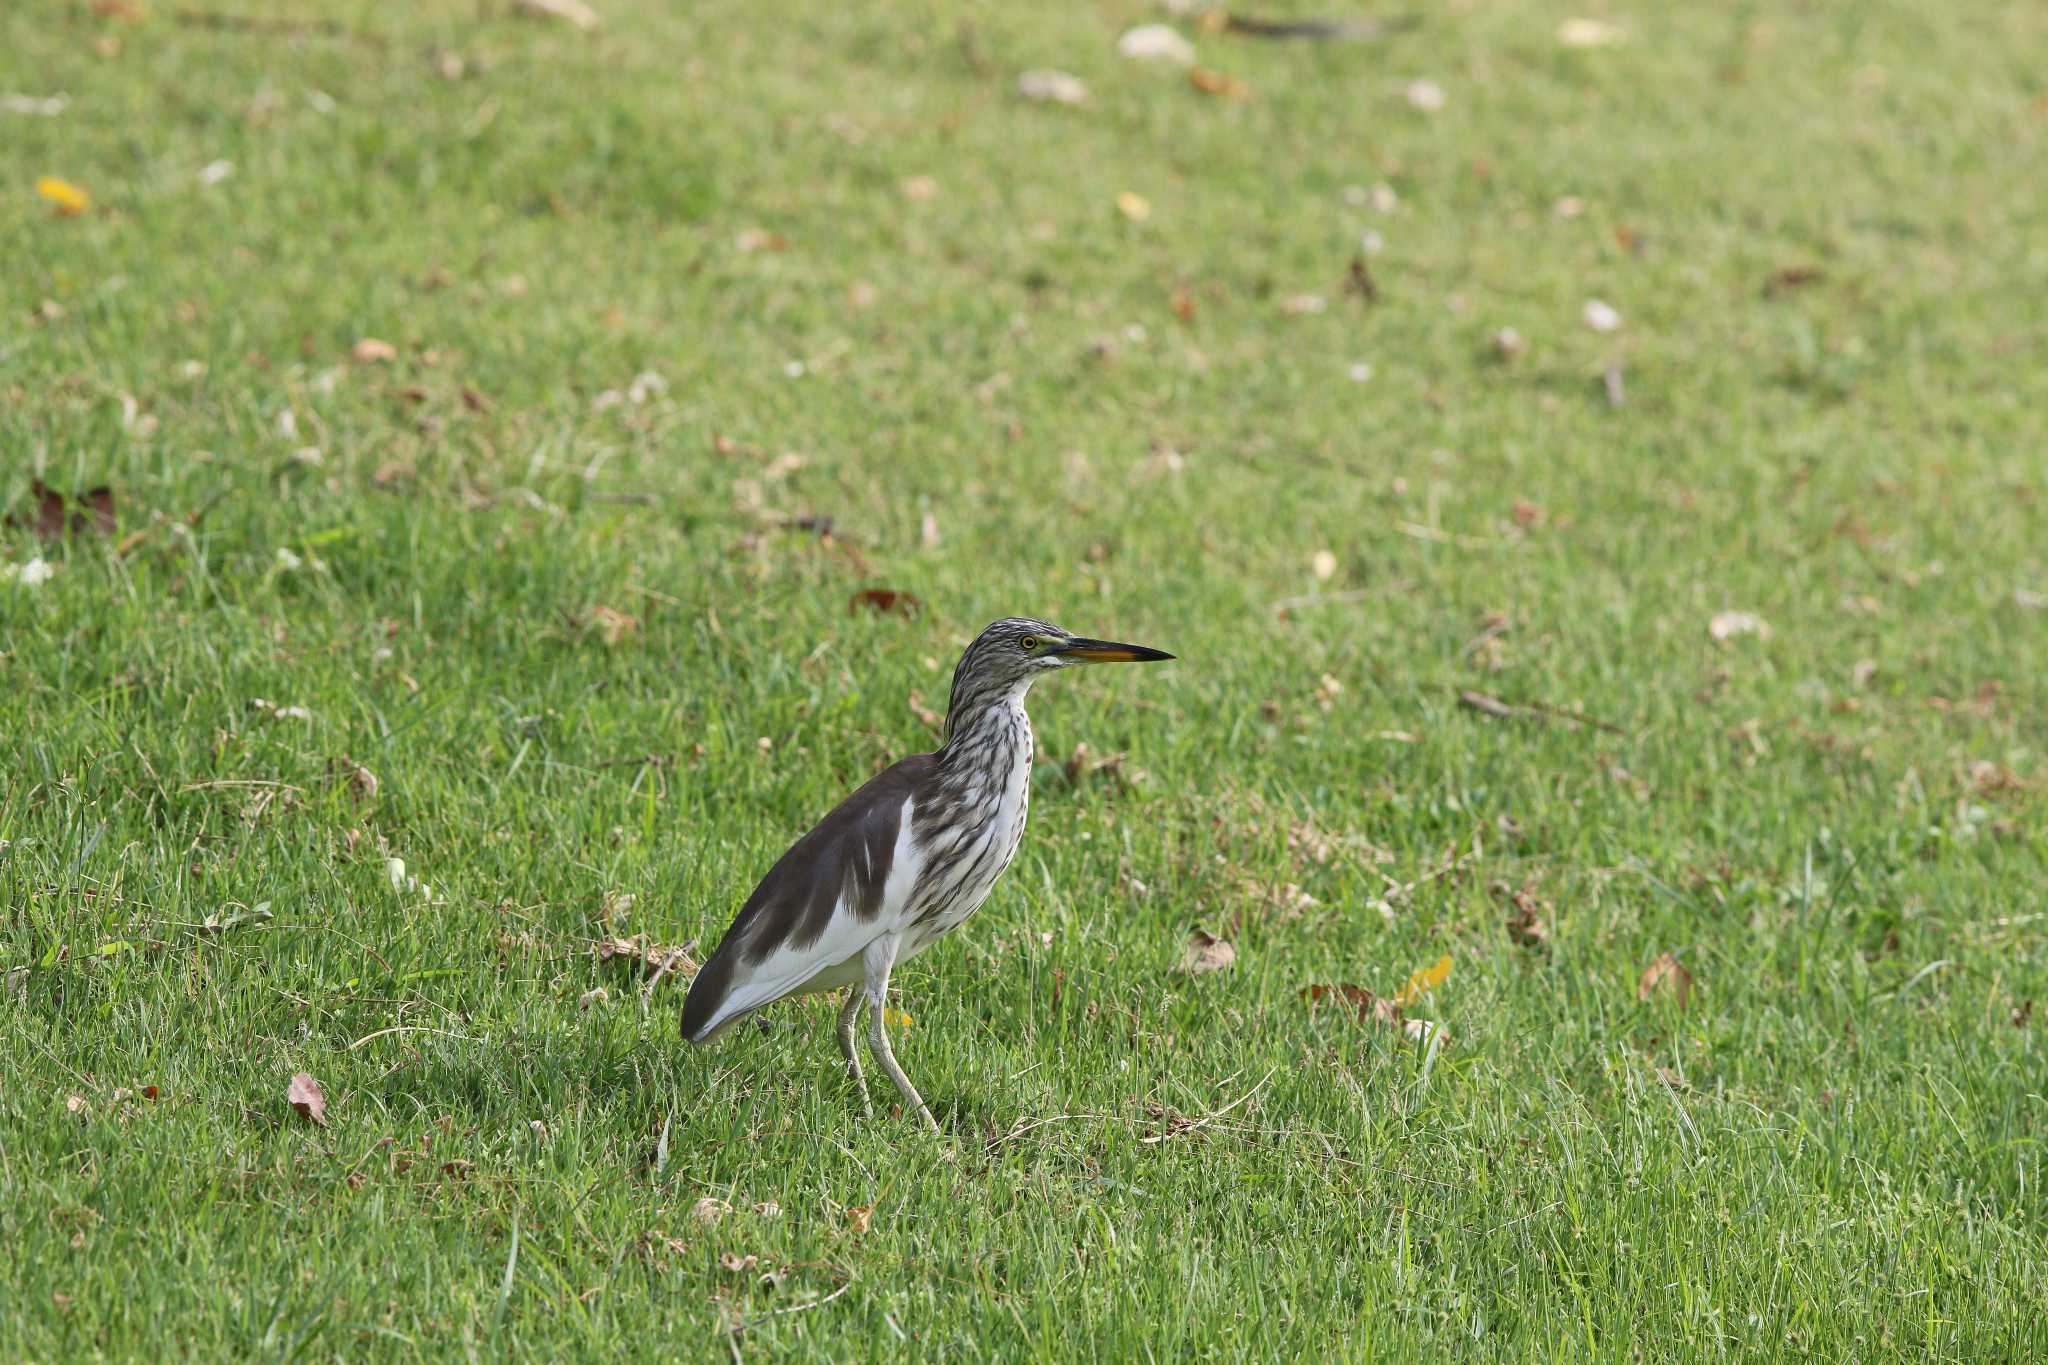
1109 652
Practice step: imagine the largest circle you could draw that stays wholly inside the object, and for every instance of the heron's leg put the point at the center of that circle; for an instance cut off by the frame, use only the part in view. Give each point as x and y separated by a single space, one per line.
880 957
849 1020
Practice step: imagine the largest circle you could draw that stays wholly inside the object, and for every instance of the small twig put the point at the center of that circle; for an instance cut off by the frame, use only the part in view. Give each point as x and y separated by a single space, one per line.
1489 705
1319 30
739 1327
1213 1114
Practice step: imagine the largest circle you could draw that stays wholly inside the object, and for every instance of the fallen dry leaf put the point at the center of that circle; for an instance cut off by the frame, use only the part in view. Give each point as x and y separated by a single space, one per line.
1323 564
650 957
1135 207
759 239
737 1263
69 199
307 1098
54 517
1584 33
1726 625
596 995
1372 1009
607 624
1600 316
1218 83
884 600
371 351
921 188
1206 953
1426 96
75 1104
708 1210
568 11
857 1219
1792 277
1423 980
1051 87
1156 43
1667 973
1527 925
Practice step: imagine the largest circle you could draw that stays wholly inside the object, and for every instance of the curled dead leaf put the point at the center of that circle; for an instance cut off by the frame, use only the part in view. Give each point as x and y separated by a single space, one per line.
371 351
1218 83
709 1210
572 12
1423 980
886 601
307 1098
68 199
1206 953
1727 625
54 516
649 957
1666 975
1377 1010
609 625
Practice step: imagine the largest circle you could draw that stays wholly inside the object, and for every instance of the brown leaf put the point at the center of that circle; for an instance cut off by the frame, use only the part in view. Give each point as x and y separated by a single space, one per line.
650 957
885 601
51 520
857 1219
608 625
709 1210
1527 924
1373 1009
307 1098
1792 277
737 1263
1358 280
1206 953
2023 1013
1665 974
371 351
1218 83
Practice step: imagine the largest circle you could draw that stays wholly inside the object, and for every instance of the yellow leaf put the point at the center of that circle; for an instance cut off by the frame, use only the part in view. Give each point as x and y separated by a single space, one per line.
896 1018
1425 980
1134 206
69 199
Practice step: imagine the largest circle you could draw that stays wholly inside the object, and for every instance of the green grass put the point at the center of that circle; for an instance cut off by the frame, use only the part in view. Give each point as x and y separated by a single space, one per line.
1833 1149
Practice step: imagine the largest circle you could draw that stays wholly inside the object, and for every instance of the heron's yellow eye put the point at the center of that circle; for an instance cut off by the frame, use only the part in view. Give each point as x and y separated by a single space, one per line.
1030 644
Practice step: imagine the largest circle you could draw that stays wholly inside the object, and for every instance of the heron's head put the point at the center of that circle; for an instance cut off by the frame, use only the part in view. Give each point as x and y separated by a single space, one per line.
1006 657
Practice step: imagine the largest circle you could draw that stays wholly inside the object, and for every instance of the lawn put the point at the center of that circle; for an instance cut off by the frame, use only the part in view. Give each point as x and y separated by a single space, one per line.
1597 493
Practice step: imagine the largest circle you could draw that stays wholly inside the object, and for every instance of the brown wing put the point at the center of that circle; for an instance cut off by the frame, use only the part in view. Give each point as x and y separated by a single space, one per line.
791 927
